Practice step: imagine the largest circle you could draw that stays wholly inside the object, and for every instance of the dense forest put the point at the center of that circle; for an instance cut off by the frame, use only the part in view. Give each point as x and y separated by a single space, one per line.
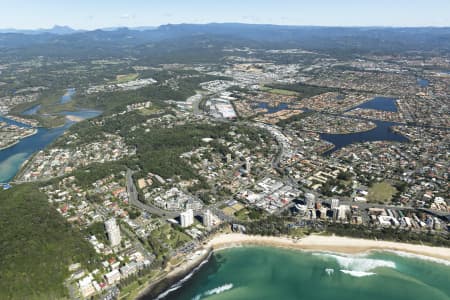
37 246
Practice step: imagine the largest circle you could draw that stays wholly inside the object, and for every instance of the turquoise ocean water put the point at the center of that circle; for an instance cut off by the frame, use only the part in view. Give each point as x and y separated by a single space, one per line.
271 273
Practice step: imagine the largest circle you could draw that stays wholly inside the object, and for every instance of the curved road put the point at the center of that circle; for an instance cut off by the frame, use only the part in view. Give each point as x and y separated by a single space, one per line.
133 198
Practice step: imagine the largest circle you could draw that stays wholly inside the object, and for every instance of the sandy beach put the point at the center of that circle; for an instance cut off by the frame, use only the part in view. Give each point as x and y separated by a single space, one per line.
74 118
327 243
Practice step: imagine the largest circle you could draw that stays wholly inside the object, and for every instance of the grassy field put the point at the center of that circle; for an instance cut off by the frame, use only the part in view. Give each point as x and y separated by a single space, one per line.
166 234
279 91
381 192
132 291
126 77
148 111
242 214
50 121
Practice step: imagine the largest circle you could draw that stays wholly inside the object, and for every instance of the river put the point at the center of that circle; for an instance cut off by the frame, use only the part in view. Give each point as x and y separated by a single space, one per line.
12 158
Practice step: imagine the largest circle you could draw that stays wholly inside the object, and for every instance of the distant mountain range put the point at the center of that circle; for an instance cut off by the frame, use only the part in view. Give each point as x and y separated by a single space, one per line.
60 30
201 40
64 30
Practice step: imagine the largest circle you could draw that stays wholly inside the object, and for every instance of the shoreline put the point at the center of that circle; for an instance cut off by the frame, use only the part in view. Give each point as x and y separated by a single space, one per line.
333 244
344 132
10 145
336 244
35 131
175 276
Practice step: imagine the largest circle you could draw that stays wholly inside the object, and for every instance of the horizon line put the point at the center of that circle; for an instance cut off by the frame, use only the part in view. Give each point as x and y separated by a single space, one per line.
224 23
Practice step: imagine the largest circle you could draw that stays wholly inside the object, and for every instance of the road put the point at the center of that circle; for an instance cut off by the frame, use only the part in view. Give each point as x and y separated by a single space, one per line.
134 200
195 106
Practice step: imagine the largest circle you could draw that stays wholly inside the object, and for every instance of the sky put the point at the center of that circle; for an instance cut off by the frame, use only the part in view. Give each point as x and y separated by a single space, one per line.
92 14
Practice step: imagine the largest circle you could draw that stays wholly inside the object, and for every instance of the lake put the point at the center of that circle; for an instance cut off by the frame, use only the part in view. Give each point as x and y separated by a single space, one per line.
423 83
380 103
380 133
273 109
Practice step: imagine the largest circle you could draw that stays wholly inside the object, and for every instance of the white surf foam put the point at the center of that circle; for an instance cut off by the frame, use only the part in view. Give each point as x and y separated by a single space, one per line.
215 291
358 266
363 264
329 271
219 290
421 257
358 273
180 283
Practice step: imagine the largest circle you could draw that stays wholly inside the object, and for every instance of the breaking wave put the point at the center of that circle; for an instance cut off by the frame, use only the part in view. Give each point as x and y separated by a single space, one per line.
215 291
180 283
357 273
219 290
421 257
359 266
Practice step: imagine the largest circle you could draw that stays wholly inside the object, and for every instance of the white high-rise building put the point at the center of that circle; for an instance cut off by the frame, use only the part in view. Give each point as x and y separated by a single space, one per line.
310 200
334 203
187 218
113 231
248 165
344 210
208 219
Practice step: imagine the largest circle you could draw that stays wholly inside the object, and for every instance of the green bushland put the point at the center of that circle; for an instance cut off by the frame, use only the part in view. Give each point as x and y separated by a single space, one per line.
389 234
111 102
90 174
163 240
303 90
279 91
36 246
158 150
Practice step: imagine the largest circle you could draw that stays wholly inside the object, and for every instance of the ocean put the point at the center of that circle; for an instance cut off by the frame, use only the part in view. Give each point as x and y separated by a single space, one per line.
271 273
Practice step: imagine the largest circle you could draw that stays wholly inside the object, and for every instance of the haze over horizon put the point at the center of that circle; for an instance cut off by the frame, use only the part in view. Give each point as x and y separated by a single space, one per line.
90 15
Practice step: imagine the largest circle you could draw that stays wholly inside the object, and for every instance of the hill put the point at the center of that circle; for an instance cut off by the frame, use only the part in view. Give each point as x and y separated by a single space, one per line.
36 246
